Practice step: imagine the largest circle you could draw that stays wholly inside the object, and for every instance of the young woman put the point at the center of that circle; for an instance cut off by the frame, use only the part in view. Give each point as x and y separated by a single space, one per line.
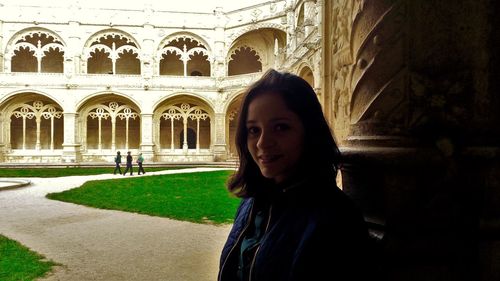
293 222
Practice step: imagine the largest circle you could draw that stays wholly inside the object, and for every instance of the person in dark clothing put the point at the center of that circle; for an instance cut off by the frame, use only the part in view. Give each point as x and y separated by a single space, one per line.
118 161
140 159
293 223
129 164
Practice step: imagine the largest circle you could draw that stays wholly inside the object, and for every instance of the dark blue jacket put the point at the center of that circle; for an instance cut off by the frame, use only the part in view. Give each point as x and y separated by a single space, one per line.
314 233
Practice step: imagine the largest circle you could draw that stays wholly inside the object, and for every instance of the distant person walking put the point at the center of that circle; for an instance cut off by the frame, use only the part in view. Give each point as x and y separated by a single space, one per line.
140 159
129 164
118 161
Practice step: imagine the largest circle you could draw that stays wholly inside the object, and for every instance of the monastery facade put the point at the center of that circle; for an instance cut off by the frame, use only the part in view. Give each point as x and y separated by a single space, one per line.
78 84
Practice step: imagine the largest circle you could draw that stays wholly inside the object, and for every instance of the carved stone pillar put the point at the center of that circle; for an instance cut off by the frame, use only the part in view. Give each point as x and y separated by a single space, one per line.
309 17
1 42
219 137
73 52
421 151
3 133
218 63
71 148
147 144
290 27
147 54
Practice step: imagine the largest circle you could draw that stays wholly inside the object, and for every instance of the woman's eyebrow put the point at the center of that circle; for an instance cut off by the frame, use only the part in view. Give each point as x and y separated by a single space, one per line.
272 120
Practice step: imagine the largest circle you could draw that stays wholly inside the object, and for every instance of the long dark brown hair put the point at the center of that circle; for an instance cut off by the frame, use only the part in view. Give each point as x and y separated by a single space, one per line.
320 153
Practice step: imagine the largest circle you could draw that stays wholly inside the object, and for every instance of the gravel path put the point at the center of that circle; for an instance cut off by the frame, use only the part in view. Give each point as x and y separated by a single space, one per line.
94 244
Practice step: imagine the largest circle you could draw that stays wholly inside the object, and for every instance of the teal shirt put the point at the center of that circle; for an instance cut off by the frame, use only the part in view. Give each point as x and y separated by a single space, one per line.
250 243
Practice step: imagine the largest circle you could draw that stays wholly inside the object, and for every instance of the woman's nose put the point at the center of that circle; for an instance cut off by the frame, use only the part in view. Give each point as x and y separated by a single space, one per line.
266 139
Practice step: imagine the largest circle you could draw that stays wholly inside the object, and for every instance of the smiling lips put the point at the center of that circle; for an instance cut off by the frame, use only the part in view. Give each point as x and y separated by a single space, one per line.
268 158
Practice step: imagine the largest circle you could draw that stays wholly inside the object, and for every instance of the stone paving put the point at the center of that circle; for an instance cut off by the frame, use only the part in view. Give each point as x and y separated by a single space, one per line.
95 244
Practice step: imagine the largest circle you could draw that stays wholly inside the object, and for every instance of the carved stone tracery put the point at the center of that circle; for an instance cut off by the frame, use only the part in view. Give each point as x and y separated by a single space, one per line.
185 111
38 42
113 111
37 111
185 47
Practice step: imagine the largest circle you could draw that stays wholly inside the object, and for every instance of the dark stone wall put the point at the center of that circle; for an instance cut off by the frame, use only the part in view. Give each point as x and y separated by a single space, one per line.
422 154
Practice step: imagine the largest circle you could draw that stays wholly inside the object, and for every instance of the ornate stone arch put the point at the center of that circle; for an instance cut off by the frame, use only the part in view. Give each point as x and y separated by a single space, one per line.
115 45
39 41
82 103
231 39
16 94
258 52
268 42
111 32
176 115
231 113
32 121
182 35
117 114
307 73
209 104
255 59
191 53
300 21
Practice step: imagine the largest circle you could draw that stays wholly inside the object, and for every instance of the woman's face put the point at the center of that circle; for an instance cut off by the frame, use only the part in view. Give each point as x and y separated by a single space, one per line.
275 136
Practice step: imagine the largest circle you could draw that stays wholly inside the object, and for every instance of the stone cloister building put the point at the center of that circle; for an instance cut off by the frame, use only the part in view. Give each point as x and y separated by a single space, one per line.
410 89
78 88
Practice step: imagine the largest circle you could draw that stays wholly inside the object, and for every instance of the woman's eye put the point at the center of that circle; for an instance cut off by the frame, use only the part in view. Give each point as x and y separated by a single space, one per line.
253 130
282 127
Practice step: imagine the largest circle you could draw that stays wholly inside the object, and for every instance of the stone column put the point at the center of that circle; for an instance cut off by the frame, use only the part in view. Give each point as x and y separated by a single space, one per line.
147 144
2 136
309 17
73 51
1 42
147 55
219 60
290 28
219 141
71 149
7 63
422 154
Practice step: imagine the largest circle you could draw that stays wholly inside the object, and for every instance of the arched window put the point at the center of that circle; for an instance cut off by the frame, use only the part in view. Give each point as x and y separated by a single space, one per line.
184 55
244 60
178 120
112 53
37 51
36 126
112 126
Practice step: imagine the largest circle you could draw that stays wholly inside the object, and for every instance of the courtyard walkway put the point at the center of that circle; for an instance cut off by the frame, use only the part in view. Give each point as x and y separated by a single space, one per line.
94 244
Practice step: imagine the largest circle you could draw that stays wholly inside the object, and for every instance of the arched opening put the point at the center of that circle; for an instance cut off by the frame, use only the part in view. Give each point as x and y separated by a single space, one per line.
38 51
256 50
179 116
111 123
112 53
36 123
182 55
244 60
231 124
307 74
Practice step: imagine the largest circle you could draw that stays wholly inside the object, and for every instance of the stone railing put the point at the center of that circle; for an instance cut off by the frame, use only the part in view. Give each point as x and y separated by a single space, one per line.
28 79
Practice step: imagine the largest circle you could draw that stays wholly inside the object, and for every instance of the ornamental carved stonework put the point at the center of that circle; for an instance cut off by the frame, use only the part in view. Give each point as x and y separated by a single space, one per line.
379 101
406 82
338 48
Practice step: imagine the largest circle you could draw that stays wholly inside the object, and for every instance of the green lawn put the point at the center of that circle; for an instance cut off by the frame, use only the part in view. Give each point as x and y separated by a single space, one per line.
197 197
18 263
73 171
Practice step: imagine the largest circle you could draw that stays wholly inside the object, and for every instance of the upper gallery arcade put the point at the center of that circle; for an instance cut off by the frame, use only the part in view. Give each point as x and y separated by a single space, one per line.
78 84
